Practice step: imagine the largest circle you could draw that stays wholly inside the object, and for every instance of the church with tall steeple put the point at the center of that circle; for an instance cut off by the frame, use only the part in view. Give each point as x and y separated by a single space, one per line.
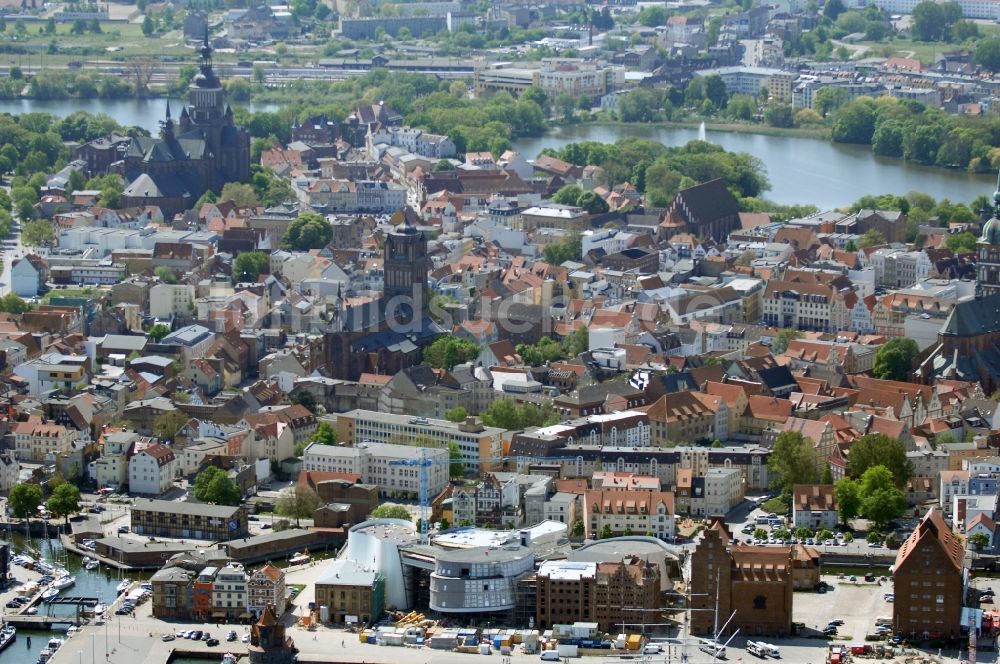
203 150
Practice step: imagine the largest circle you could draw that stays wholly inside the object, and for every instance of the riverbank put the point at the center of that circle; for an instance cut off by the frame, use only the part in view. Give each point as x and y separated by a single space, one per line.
817 133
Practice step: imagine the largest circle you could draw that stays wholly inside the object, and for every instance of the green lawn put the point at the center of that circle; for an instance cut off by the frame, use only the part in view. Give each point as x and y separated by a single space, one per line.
71 292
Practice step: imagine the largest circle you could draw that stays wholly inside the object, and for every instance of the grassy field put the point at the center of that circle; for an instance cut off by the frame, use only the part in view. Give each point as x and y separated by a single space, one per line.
72 292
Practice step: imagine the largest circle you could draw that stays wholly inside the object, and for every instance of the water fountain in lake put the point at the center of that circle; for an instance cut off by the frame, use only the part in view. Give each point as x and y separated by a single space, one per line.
701 132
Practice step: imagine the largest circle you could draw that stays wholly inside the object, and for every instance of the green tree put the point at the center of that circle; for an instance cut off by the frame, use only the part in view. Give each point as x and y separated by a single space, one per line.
833 8
829 99
606 532
444 525
12 304
166 425
579 530
715 90
457 414
147 26
847 493
24 499
165 274
783 339
297 502
504 413
894 359
324 435
872 238
854 122
652 16
38 233
456 467
243 195
546 350
577 342
390 511
641 105
214 486
249 265
568 194
64 501
568 249
881 501
592 203
158 331
987 53
961 243
792 461
877 449
308 231
779 115
979 540
827 476
944 438
303 398
760 533
447 351
803 533
443 165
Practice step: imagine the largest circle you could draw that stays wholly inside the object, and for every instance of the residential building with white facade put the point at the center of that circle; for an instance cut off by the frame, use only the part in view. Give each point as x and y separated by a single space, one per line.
229 592
166 300
151 471
395 469
53 371
477 442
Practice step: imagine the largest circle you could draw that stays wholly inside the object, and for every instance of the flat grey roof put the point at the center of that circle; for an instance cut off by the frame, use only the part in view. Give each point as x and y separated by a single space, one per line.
183 507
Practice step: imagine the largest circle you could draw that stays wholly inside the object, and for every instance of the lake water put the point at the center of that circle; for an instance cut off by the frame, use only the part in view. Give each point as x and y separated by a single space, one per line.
145 113
801 170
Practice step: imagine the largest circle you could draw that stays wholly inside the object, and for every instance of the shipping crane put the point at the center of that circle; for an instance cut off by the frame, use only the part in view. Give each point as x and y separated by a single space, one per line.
423 464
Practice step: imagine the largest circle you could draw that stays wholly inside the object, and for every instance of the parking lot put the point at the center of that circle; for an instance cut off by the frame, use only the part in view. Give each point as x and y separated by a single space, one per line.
858 604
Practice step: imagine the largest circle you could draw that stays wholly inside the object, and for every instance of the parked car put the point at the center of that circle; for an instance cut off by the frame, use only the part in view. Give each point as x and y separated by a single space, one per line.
168 637
231 636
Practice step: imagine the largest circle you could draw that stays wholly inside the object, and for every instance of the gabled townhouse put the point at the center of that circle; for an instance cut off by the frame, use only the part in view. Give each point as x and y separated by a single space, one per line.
151 470
38 440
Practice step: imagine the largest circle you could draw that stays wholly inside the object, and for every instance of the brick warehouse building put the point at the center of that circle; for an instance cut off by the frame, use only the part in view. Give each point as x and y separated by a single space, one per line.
929 581
569 592
754 581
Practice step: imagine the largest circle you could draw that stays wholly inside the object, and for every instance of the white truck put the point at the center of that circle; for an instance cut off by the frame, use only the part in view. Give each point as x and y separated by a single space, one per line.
568 650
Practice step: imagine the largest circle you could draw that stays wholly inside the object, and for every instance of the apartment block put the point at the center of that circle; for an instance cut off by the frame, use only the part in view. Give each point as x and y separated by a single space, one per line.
629 512
394 469
477 442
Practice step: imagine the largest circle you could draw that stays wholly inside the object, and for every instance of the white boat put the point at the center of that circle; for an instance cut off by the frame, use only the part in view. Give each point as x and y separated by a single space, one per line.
229 658
72 630
299 559
44 656
99 609
92 565
54 644
124 586
64 582
32 611
7 636
87 559
50 594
